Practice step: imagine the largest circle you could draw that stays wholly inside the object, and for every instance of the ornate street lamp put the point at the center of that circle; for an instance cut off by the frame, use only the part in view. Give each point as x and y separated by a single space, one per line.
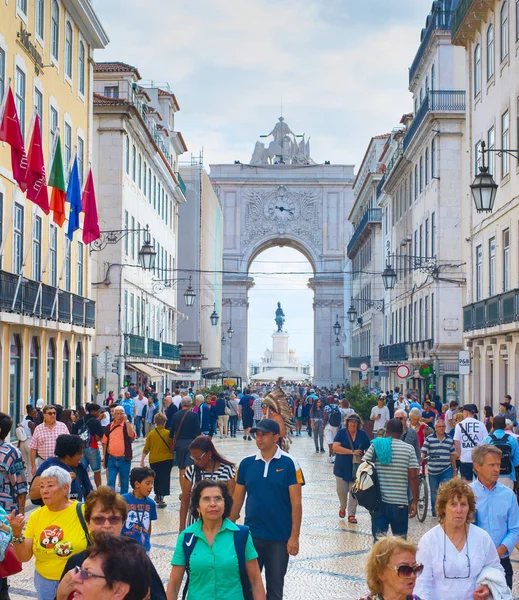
352 314
389 277
147 253
484 188
214 318
337 341
224 341
189 295
337 327
230 331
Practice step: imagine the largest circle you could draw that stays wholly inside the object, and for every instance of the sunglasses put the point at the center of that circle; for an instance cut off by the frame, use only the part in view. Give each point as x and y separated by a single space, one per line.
50 412
101 520
198 457
84 574
407 570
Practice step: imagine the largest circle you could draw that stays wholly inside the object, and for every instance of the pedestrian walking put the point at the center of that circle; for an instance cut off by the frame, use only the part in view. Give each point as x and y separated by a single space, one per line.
440 451
234 406
317 423
380 415
397 469
509 447
44 437
409 436
247 414
128 404
161 458
497 511
272 480
467 435
148 415
349 446
91 431
117 447
140 403
222 414
185 427
142 510
28 425
332 421
298 416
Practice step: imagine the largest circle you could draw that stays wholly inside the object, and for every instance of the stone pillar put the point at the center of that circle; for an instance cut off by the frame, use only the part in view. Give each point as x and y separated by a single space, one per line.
280 357
235 310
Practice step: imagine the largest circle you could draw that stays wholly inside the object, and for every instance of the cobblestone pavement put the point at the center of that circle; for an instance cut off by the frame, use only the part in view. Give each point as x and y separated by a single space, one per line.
330 564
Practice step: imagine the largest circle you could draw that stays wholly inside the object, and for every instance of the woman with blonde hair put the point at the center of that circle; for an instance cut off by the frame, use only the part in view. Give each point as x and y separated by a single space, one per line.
391 570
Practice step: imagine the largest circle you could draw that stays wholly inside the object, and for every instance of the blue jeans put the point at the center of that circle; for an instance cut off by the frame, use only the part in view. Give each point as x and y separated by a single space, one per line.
138 426
434 483
119 465
396 515
92 458
46 589
467 471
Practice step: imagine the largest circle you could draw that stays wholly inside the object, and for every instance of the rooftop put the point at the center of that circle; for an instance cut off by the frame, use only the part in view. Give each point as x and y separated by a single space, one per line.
115 67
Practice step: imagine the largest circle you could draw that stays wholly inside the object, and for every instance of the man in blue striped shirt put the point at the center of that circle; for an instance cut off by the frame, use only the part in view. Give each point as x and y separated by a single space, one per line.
440 450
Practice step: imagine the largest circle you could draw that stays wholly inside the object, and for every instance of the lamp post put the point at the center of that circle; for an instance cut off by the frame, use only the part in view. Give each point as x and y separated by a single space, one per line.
484 188
389 277
189 295
352 313
147 253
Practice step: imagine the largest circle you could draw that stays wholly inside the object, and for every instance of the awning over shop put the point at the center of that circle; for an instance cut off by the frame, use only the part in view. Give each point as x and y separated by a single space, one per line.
168 371
146 370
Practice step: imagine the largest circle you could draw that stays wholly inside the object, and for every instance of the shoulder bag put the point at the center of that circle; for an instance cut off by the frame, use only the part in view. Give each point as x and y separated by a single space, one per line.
166 444
175 437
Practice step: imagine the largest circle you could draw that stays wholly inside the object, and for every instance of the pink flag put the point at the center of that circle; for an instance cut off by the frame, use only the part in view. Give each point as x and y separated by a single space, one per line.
11 133
91 222
36 178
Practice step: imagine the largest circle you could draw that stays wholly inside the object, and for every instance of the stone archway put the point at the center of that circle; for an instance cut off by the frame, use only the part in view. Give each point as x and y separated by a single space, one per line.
304 206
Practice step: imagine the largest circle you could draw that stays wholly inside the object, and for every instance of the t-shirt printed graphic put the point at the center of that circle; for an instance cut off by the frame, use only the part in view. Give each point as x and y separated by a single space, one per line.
141 512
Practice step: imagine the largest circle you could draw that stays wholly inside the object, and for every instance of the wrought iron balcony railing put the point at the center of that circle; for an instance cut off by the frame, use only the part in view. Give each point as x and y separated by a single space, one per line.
393 353
370 217
181 183
139 346
437 21
496 310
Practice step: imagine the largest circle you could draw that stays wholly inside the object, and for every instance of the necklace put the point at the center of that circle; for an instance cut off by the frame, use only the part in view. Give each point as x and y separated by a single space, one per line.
461 542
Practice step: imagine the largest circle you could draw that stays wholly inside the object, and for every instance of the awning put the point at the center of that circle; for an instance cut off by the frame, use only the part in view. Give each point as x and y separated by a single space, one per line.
145 369
169 371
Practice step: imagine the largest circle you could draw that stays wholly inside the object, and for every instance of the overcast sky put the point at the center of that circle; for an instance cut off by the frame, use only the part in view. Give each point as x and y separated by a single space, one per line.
340 68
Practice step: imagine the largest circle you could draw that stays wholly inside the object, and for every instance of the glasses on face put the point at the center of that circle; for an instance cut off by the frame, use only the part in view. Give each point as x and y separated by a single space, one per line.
407 570
211 499
198 457
50 412
84 574
101 520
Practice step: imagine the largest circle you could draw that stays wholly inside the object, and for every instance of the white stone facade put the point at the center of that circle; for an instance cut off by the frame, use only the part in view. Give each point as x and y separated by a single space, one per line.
488 31
302 206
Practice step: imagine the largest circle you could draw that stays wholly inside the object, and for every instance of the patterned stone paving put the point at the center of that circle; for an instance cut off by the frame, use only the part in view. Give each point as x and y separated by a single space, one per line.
330 564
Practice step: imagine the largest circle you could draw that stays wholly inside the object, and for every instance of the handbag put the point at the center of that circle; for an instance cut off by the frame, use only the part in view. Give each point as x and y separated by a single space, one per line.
173 442
21 436
357 460
10 565
228 411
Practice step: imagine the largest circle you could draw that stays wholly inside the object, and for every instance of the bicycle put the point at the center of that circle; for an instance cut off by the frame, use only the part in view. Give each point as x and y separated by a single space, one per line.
423 495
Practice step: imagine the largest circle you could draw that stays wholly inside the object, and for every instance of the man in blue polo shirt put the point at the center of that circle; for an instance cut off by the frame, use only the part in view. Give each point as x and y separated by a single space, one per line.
272 480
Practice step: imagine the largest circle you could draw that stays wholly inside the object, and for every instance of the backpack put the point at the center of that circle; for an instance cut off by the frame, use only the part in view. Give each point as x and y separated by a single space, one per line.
240 541
335 416
366 488
84 432
506 449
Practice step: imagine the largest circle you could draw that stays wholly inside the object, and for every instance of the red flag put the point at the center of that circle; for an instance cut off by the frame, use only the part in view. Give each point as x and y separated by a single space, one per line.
11 133
36 178
91 223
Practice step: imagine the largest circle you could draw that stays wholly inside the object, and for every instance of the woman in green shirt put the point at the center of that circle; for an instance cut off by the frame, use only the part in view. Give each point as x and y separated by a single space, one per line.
214 570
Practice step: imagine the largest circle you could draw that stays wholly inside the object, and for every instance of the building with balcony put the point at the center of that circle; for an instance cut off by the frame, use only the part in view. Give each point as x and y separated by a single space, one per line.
365 252
420 199
136 160
488 32
200 265
47 313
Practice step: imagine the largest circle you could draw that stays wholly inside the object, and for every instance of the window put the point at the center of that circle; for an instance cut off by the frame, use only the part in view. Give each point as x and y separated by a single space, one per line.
433 234
154 192
421 243
111 91
426 238
433 74
34 369
132 241
126 325
410 191
127 154
426 318
421 174
54 30
68 265
433 159
134 162
139 173
53 256
36 250
415 321
22 6
68 50
491 144
421 320
65 372
415 252
80 269
18 239
20 98
53 126
492 266
505 133
126 226
15 356
477 70
81 159
506 260
40 18
427 166
504 30
490 51
68 148
149 185
144 184
479 272
81 68
415 182
2 73
38 105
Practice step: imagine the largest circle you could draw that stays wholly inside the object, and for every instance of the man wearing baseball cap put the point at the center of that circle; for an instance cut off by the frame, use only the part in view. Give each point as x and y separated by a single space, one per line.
468 434
272 480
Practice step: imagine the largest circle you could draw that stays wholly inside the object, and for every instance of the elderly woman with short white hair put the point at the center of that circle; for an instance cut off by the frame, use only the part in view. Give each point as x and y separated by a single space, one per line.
422 429
54 532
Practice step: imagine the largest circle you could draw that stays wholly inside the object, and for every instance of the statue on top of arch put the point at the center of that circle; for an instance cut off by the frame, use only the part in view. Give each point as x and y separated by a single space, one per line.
287 148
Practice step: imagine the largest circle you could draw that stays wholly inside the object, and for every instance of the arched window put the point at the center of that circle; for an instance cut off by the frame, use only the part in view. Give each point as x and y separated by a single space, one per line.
79 375
504 30
34 371
51 372
68 50
477 70
54 30
15 355
490 51
81 68
65 376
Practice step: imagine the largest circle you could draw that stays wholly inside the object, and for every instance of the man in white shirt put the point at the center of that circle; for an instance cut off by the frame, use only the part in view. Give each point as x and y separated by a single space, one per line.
449 416
468 434
140 402
379 414
177 399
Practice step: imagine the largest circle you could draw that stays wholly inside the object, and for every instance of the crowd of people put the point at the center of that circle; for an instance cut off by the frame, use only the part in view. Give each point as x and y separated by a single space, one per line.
90 540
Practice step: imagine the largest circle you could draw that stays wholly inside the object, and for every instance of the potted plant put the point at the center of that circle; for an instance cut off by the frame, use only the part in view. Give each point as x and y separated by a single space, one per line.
362 402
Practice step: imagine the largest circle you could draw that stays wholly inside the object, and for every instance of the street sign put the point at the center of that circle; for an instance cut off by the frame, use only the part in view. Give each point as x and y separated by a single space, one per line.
403 371
363 366
464 362
425 371
105 359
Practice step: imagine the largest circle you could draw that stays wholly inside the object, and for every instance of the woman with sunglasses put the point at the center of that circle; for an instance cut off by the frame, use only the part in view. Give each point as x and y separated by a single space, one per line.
208 464
391 570
105 513
455 552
